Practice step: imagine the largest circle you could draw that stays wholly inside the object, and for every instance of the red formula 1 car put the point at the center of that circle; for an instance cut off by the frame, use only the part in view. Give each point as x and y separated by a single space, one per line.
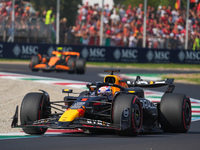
111 105
60 61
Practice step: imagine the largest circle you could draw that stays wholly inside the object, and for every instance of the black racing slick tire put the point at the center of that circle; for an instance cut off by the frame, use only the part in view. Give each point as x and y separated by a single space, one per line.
80 66
130 103
35 106
175 113
72 65
34 61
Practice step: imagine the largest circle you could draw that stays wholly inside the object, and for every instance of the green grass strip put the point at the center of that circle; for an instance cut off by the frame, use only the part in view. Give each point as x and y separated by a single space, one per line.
17 60
196 116
17 136
153 97
34 79
135 65
196 107
144 75
148 65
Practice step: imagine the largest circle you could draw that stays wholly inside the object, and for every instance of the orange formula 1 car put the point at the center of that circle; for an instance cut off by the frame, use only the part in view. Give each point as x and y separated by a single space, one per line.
60 61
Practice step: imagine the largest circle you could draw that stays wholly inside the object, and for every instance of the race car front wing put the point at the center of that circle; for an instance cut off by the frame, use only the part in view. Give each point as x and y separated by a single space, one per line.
81 122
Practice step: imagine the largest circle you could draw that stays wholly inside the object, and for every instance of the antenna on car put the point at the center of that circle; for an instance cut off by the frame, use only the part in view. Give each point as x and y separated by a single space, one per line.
112 70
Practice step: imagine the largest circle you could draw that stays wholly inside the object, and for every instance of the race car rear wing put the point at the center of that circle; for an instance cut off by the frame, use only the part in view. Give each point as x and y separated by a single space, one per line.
152 84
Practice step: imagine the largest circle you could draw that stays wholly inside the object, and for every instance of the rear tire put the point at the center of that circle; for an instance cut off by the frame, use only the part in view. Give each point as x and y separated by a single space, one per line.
34 61
71 64
131 102
80 66
175 113
34 107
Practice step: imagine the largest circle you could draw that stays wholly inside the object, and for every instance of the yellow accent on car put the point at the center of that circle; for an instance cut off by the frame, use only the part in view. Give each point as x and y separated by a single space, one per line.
59 48
66 90
116 80
69 115
151 82
131 91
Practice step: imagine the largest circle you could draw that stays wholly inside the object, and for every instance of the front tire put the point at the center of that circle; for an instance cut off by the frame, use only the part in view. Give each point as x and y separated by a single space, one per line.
175 113
35 106
131 102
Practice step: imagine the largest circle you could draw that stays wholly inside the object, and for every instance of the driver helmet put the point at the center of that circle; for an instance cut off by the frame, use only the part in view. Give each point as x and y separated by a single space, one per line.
59 49
59 55
105 91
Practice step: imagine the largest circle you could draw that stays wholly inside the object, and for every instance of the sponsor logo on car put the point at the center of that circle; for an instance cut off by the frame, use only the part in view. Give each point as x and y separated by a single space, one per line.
77 105
97 122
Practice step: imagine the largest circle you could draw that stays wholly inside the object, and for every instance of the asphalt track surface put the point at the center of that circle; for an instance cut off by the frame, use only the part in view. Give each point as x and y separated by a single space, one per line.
76 141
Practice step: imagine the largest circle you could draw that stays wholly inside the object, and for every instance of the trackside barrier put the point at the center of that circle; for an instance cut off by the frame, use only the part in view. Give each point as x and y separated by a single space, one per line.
102 54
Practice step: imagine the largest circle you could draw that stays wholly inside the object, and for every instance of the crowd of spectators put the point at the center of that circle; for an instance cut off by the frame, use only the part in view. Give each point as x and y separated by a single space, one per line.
166 26
123 26
29 24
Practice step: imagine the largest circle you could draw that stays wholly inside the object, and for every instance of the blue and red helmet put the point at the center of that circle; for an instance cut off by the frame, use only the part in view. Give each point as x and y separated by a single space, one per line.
105 91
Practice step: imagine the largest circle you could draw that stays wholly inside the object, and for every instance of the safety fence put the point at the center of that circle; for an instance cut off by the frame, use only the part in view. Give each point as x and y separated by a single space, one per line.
27 30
